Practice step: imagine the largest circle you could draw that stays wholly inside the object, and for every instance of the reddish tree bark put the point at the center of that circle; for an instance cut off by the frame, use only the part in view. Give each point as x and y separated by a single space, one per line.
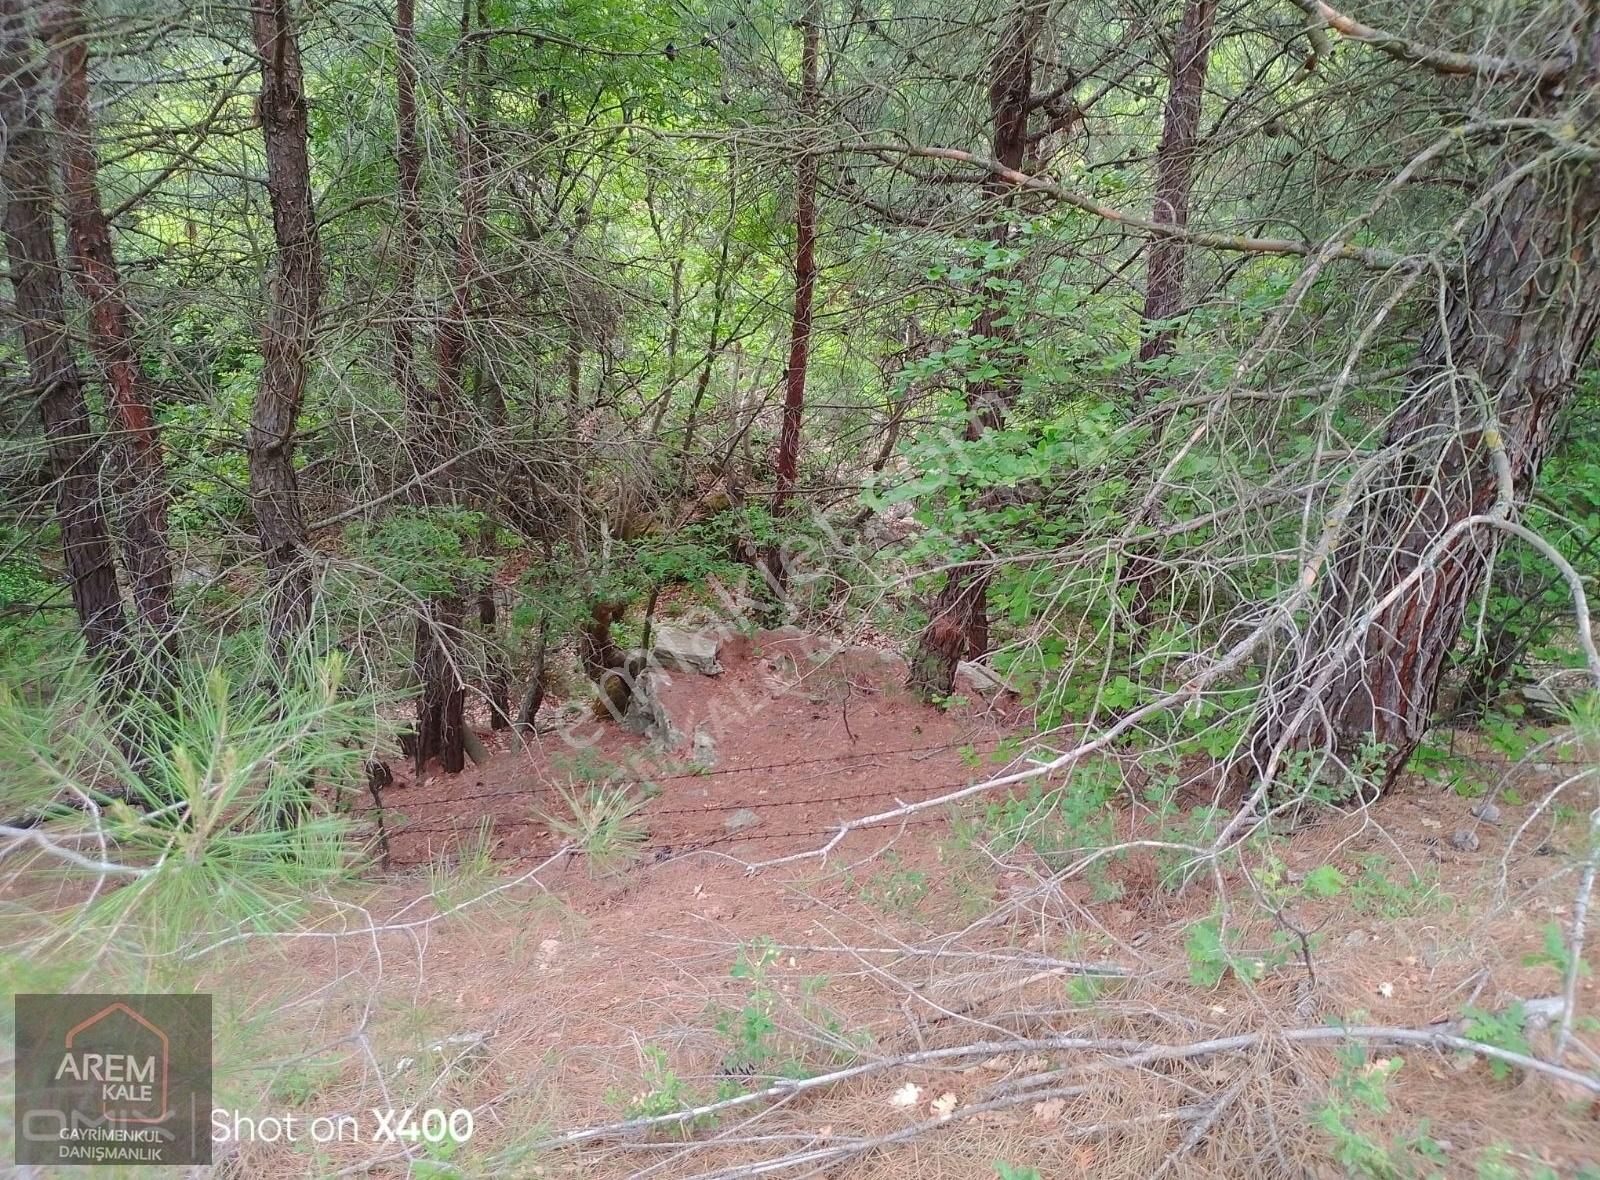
497 679
440 699
441 724
958 626
1166 259
1519 326
73 446
288 331
805 283
408 161
40 307
141 482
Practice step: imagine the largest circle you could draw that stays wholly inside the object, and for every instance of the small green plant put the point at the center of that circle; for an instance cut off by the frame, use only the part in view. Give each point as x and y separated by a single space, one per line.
1175 866
1502 1030
463 869
1555 953
1439 765
603 825
756 1043
435 1161
299 1085
1498 1161
895 889
583 766
1060 825
751 1030
664 1091
1005 1171
1210 960
1360 1088
1378 890
1086 989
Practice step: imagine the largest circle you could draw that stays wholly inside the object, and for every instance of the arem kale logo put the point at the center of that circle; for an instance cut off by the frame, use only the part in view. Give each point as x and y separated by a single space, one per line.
113 1079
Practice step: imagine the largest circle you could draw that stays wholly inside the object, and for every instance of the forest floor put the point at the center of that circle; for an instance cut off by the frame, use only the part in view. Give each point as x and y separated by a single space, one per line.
553 996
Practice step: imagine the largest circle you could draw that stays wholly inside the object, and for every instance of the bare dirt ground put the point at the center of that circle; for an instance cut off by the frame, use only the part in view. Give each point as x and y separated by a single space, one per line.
554 999
805 734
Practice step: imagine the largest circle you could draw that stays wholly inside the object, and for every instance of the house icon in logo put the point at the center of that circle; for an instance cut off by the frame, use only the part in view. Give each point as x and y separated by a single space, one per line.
126 1058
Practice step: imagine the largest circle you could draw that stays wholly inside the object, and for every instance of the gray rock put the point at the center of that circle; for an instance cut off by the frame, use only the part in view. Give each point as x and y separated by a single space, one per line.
1543 702
977 678
1465 839
1487 812
704 754
197 576
686 651
647 717
742 820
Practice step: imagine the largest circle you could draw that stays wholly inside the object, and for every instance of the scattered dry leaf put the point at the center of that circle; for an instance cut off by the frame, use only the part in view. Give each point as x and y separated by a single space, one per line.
943 1106
906 1095
1049 1111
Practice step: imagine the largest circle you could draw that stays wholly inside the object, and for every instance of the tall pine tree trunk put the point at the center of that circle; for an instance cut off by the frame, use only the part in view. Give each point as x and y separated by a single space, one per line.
74 451
1490 384
958 625
288 330
1166 259
497 676
141 480
441 706
805 283
408 169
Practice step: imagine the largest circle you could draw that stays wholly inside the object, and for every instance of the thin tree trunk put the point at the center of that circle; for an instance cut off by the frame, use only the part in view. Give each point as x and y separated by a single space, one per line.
142 491
287 332
430 659
1489 390
805 283
714 345
534 696
441 724
497 678
74 452
1167 258
958 624
408 167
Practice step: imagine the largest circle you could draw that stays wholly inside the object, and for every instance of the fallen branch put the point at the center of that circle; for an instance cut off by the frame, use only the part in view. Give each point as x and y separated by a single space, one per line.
1128 1054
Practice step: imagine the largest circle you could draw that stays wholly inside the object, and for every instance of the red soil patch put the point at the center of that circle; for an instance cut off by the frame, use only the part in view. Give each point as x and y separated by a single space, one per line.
805 736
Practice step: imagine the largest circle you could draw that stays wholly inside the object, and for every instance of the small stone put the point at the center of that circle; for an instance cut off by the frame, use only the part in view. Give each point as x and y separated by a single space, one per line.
1355 938
1487 812
1465 839
686 651
741 820
974 677
704 754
